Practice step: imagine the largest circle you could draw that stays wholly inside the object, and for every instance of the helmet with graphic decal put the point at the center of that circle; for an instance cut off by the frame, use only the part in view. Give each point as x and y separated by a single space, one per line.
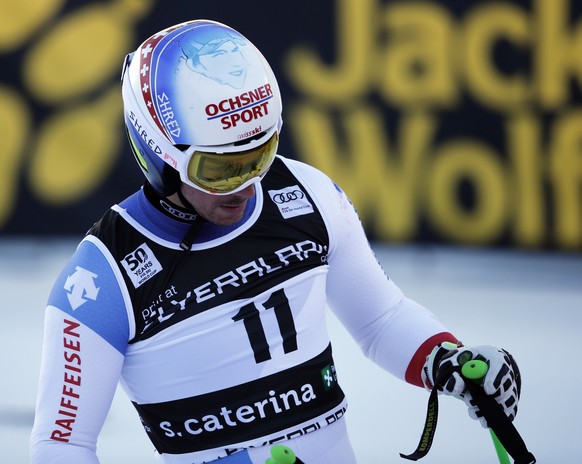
201 106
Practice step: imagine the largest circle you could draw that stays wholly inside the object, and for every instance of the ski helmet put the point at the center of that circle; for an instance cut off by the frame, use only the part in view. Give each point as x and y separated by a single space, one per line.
201 106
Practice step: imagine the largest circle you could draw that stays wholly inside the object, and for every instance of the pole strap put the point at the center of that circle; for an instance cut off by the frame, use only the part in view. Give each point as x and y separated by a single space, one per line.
492 412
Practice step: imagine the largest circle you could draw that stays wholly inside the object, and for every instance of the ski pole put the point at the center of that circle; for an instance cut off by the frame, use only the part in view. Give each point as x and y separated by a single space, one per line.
281 454
475 371
506 438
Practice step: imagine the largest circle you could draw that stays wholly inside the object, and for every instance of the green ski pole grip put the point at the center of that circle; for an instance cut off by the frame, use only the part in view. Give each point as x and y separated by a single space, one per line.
475 370
282 455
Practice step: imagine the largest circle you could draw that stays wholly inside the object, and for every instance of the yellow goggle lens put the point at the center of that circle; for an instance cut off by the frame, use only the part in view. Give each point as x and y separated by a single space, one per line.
226 172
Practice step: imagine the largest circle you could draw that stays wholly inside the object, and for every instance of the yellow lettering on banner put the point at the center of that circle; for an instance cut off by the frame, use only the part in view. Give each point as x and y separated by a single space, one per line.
419 58
417 64
66 66
384 183
372 119
76 150
18 18
526 192
14 125
85 49
565 159
388 180
558 53
350 77
470 161
485 26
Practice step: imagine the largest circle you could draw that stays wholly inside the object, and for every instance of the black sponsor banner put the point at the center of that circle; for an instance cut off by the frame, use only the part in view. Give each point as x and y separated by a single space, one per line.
445 121
253 410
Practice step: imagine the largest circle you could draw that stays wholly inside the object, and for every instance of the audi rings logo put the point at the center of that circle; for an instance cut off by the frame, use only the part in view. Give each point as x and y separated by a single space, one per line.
287 196
291 201
177 213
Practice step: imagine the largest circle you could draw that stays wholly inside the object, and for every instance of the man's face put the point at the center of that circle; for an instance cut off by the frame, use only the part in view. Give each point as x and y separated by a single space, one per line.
222 210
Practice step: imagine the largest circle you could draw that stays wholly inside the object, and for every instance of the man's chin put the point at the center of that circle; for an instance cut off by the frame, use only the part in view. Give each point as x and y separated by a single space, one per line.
228 215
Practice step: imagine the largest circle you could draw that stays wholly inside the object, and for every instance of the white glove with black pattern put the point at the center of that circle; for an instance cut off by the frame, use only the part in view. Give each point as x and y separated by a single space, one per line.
502 380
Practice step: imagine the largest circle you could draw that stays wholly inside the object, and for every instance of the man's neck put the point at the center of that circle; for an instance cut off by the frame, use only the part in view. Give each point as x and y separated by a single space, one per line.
171 206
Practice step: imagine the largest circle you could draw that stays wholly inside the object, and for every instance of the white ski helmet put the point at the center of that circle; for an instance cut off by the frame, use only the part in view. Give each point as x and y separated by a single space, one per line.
201 106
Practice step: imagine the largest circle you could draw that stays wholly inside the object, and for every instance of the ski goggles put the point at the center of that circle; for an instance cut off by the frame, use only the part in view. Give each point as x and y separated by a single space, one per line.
229 172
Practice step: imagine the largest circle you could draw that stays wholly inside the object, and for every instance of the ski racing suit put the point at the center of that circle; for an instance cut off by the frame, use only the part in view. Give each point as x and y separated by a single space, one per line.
223 349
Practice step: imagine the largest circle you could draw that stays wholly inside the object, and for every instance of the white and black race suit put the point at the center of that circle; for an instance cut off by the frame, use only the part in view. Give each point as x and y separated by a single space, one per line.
223 347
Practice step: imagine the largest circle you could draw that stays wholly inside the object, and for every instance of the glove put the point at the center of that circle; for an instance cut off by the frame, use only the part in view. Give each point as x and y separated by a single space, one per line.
502 381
